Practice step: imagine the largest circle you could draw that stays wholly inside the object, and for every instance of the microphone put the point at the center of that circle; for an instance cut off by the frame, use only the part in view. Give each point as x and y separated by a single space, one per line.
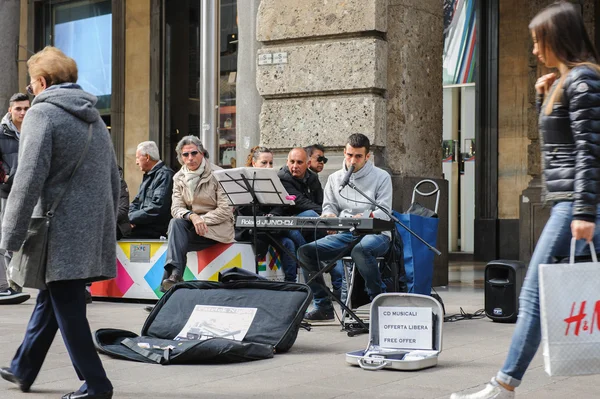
346 178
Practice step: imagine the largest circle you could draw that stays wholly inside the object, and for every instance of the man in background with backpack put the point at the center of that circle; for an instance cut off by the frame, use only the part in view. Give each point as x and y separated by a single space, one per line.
10 133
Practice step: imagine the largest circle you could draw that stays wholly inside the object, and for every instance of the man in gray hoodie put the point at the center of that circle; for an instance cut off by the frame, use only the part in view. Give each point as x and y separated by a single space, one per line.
343 201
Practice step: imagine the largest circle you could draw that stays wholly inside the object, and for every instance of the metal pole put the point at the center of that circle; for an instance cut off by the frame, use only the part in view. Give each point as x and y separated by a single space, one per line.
210 54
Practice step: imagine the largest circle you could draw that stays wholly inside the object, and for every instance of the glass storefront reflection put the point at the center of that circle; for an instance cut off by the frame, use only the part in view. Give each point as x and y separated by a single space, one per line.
83 31
182 73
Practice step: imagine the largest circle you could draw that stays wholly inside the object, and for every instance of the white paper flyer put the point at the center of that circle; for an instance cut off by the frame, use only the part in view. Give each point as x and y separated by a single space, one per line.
217 322
405 327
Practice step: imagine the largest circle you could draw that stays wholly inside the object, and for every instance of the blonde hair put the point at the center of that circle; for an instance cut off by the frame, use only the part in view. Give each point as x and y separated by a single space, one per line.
53 65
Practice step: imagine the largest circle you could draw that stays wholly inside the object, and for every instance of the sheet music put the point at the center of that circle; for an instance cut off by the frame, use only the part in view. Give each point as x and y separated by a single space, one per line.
264 181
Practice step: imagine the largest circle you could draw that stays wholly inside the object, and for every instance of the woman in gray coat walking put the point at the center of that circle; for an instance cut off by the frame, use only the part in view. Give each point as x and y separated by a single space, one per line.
82 239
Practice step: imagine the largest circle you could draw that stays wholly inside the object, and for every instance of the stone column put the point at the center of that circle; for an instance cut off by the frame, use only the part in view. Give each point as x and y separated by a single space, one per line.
330 69
331 79
248 100
10 15
137 86
413 149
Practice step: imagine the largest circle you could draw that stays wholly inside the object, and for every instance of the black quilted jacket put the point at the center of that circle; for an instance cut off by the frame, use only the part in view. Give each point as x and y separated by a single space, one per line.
571 143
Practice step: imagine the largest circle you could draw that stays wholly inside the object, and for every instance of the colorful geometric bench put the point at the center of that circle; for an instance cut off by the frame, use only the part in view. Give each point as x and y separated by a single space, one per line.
140 266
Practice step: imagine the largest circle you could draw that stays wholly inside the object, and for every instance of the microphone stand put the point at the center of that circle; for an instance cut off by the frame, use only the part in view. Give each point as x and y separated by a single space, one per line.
395 219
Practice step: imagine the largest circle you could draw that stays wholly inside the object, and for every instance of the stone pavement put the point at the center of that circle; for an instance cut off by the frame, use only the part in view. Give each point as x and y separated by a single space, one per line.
314 368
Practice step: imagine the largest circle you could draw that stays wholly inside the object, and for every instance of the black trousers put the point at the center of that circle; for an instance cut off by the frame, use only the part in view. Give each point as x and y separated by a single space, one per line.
183 239
61 306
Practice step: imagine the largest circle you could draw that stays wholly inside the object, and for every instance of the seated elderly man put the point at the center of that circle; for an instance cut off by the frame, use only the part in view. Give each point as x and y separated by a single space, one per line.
201 214
150 211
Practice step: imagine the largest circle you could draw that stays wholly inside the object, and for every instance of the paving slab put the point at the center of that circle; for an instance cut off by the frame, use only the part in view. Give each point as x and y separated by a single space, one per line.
473 350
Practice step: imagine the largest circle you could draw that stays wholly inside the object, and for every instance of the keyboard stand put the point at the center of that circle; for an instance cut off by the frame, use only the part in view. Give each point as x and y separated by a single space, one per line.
363 327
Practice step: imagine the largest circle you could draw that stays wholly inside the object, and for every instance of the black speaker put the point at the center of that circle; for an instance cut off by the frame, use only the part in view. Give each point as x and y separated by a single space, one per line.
503 281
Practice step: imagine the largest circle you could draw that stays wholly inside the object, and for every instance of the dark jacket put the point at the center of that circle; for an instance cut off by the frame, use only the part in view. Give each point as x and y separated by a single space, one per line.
150 210
571 143
123 225
9 148
81 239
308 192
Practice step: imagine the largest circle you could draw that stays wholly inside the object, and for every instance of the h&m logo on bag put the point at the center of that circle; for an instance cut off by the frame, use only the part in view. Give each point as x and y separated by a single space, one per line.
580 319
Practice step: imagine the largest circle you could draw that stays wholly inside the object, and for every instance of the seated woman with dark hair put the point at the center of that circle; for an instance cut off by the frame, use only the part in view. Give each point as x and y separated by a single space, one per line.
262 157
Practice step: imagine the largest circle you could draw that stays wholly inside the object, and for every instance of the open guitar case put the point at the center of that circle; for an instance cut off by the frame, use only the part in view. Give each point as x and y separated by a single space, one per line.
280 308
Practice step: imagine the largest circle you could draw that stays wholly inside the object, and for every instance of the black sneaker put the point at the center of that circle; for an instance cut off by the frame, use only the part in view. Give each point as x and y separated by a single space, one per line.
319 315
12 297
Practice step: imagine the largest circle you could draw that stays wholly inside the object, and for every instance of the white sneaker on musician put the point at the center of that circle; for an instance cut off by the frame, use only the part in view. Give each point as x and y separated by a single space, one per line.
492 390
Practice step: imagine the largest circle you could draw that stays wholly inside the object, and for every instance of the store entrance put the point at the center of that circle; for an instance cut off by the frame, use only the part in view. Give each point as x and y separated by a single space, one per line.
182 78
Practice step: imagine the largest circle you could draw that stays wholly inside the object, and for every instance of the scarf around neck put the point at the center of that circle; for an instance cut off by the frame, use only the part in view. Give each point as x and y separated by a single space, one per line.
192 177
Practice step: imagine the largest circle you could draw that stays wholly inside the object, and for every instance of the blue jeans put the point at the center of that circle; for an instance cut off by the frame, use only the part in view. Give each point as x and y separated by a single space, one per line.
555 240
300 238
364 255
290 268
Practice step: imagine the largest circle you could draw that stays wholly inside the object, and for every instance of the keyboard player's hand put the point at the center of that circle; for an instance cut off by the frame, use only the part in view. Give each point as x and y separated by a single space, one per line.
329 215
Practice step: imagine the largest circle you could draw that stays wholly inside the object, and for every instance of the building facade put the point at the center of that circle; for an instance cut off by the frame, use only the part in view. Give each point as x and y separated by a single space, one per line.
294 73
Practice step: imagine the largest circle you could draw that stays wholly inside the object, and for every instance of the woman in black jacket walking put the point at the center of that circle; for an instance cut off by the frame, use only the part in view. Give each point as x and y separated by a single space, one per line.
569 105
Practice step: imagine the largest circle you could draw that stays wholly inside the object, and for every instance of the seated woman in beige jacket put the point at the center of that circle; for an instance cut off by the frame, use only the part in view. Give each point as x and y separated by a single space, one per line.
201 214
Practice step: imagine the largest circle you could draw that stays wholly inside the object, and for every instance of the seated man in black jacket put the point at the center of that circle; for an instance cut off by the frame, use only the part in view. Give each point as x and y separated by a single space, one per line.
150 211
304 184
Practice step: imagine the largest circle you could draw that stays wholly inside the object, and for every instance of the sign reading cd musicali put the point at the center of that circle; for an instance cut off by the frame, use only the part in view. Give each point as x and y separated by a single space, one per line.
405 327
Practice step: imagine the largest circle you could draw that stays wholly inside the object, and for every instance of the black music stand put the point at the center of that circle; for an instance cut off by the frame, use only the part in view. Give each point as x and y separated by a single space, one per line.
253 186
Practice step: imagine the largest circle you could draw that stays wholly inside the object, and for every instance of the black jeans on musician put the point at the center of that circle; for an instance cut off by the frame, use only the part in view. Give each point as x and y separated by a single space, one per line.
61 306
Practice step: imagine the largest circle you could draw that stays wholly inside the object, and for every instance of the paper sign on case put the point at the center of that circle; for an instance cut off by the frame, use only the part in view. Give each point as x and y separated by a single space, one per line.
405 327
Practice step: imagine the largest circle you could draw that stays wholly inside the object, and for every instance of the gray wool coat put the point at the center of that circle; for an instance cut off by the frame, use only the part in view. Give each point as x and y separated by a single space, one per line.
82 236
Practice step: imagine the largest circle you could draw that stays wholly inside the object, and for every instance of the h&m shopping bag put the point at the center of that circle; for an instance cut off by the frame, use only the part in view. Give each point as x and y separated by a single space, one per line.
570 316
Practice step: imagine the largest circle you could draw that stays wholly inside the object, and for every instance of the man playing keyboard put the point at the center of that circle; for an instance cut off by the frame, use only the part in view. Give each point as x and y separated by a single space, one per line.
343 201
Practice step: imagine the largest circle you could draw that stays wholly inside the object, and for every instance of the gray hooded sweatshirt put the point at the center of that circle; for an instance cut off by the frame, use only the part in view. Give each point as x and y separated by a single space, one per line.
373 181
82 237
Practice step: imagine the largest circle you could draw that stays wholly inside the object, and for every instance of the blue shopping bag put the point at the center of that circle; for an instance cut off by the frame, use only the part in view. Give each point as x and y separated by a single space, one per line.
418 259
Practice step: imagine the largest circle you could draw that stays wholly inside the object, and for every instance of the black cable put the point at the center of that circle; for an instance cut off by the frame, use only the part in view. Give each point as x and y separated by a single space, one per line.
479 314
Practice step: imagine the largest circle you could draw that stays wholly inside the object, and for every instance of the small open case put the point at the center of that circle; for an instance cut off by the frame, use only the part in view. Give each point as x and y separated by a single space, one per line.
405 333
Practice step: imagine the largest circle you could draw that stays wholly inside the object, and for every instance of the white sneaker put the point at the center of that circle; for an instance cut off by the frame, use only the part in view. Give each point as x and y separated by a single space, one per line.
492 390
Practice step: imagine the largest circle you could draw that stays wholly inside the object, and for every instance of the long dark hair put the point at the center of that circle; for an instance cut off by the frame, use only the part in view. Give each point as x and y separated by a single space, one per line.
560 28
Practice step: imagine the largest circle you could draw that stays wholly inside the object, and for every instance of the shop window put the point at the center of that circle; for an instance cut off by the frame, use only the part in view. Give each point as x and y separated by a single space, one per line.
83 31
182 78
460 47
458 163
